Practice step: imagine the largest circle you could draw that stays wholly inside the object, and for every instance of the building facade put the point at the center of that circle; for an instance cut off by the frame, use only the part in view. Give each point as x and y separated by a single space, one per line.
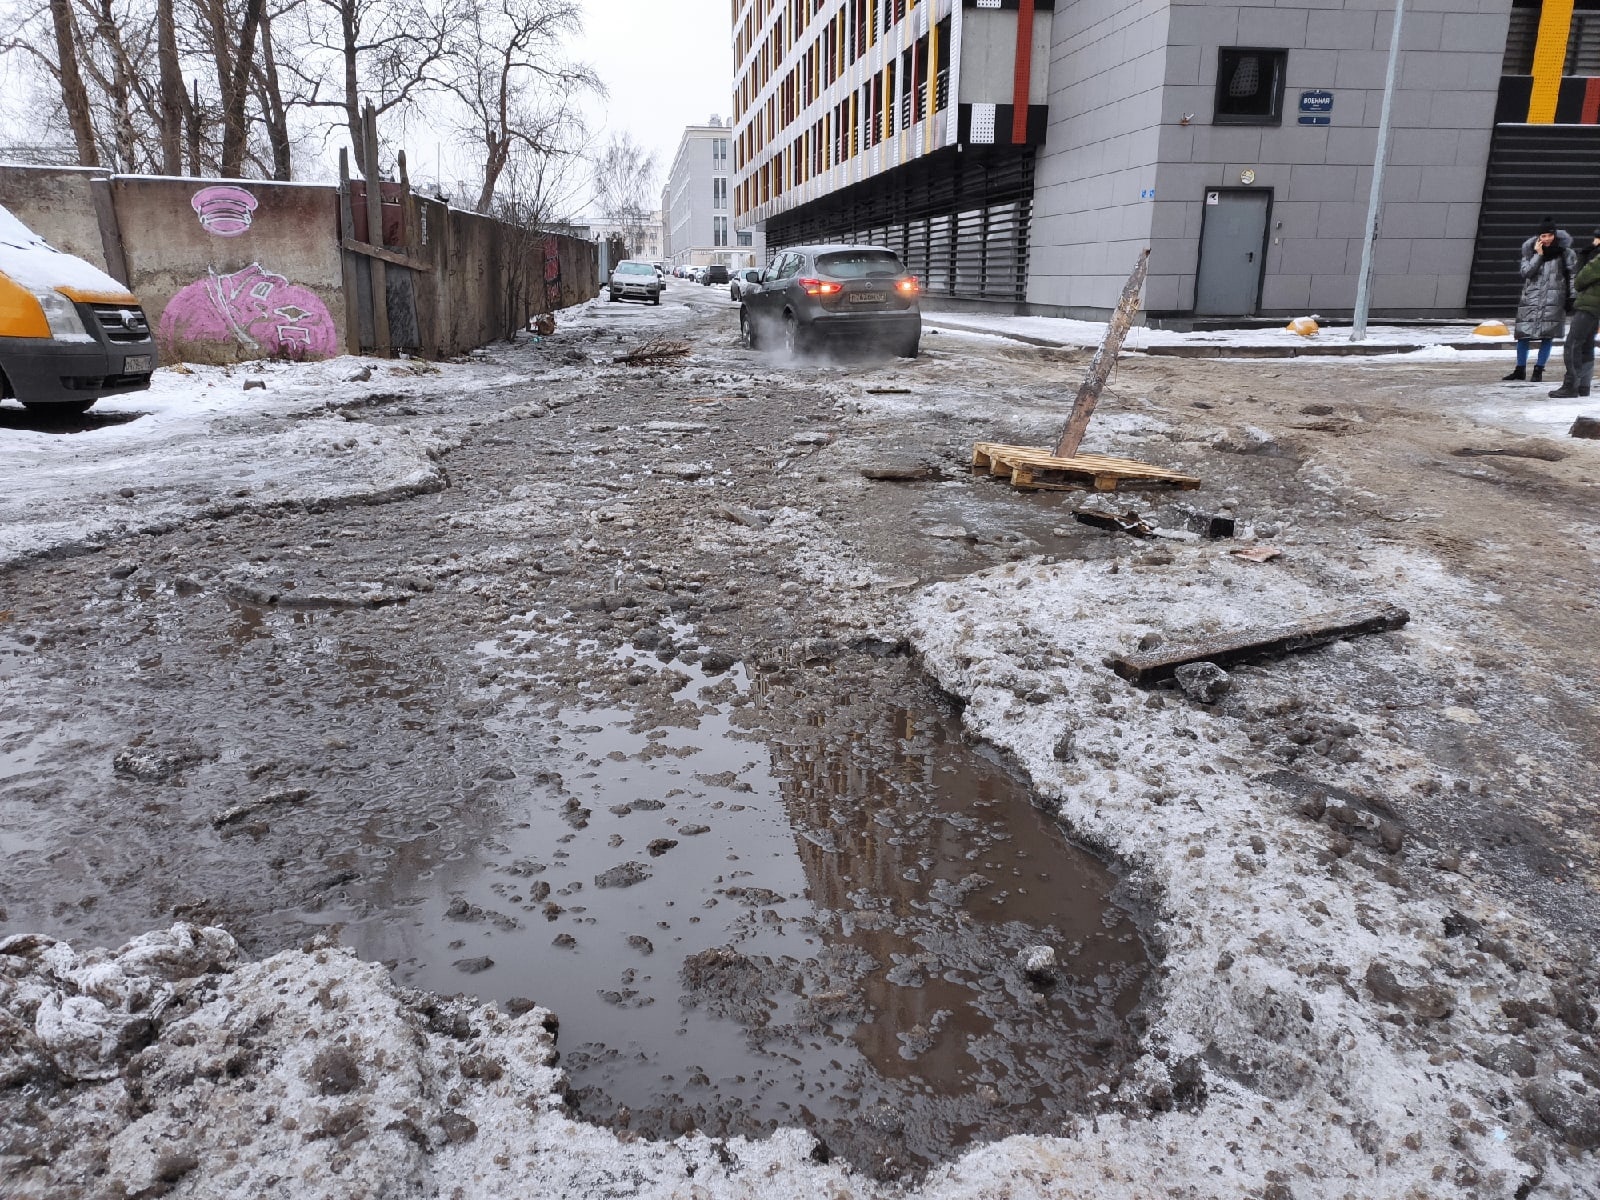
1023 152
697 205
644 241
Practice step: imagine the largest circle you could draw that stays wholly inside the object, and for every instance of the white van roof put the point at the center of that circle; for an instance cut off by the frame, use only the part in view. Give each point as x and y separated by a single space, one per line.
31 262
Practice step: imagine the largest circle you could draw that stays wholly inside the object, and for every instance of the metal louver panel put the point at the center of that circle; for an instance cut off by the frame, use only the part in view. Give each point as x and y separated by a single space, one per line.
1535 171
958 219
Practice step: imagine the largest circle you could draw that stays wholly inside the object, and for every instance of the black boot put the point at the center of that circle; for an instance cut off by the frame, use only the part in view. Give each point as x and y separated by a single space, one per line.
1565 392
1538 375
1519 375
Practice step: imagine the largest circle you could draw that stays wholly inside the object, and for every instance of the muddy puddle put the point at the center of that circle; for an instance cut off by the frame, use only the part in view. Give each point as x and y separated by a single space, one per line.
794 898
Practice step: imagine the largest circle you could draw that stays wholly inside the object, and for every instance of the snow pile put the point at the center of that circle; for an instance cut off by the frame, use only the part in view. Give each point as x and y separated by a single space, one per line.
175 1067
30 261
1312 992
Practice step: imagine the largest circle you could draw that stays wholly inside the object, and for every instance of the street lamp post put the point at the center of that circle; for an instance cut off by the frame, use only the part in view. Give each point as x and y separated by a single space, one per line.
1358 328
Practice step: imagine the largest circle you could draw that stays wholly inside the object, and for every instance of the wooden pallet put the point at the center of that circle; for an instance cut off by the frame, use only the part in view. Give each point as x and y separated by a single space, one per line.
1038 470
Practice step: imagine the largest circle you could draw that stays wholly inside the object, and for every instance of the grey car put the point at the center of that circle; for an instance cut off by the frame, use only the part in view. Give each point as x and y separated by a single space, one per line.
812 295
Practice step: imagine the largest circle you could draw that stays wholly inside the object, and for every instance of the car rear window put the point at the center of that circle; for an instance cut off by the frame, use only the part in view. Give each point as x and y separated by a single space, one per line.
860 264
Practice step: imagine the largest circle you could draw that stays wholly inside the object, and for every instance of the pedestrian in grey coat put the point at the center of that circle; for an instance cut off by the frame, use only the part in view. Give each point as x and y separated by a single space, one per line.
1548 269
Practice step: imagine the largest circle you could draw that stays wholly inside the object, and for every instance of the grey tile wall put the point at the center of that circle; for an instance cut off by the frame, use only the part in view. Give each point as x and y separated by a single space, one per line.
1126 164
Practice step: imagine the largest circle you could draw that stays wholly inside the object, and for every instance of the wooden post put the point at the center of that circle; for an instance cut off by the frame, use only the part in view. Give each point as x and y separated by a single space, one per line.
379 272
347 260
1105 359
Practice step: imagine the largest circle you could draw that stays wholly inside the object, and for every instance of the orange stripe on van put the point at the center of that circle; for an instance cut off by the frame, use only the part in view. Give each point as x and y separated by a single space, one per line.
81 296
20 314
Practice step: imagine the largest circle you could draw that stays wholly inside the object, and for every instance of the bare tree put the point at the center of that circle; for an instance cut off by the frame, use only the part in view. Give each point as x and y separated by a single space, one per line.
516 85
392 52
171 88
535 192
625 186
73 94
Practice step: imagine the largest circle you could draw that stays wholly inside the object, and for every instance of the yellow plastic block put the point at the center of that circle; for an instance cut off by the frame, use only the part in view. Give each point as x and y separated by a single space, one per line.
1304 326
1491 329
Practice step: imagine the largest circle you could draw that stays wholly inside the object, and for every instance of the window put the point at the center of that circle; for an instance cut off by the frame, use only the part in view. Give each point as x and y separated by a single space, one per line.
1250 86
719 231
719 193
746 238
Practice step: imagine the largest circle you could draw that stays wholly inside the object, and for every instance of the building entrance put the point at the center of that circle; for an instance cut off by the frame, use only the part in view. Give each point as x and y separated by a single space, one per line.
1233 243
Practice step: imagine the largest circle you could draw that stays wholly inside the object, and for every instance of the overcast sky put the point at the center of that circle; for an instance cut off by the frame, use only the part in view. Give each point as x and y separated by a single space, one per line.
667 63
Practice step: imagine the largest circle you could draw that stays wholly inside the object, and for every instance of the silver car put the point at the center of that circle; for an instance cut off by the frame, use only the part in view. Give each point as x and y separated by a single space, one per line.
636 279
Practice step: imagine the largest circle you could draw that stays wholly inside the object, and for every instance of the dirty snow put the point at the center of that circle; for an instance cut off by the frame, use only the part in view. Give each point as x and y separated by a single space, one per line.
1344 1042
201 446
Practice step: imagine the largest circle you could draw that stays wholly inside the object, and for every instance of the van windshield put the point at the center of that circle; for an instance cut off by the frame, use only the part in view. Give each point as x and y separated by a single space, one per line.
860 264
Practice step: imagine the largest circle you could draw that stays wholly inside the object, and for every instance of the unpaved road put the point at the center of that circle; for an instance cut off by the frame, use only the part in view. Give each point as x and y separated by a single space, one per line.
668 605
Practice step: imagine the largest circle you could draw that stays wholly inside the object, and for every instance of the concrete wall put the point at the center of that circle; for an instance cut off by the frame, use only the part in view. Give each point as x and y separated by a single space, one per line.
60 199
1091 212
234 270
220 293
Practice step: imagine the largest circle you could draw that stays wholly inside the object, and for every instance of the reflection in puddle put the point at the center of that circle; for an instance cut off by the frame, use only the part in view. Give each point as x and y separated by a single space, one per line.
780 901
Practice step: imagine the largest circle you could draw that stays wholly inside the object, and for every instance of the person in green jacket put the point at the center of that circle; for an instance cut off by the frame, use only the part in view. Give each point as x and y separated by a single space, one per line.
1577 352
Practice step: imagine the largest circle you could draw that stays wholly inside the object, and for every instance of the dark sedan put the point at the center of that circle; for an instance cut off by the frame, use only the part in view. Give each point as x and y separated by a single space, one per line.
815 294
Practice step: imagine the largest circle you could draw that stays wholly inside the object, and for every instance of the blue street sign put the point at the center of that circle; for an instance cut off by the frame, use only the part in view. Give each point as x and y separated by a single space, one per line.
1316 102
1316 120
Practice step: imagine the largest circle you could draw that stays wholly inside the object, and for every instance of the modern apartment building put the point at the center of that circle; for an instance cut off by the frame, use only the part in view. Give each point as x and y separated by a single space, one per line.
697 205
1023 152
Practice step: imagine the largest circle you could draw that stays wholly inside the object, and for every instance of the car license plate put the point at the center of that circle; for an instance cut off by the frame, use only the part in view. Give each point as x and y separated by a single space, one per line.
136 364
866 298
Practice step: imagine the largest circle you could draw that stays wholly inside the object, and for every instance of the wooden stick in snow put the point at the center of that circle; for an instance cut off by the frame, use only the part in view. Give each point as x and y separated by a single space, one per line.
1105 358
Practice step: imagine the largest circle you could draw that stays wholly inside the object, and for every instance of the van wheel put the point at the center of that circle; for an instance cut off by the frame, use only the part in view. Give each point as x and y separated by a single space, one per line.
58 408
908 348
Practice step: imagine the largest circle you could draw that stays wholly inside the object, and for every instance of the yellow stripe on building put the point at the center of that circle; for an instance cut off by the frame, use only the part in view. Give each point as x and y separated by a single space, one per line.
1549 58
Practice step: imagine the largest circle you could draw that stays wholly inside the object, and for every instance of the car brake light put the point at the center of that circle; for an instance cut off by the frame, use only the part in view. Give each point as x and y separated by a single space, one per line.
908 287
817 287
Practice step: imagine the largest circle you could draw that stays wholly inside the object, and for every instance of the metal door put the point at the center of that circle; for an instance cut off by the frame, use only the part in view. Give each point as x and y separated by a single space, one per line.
1233 243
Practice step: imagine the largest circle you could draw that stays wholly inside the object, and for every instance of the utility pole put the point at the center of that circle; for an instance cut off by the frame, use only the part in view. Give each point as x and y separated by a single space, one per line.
1358 328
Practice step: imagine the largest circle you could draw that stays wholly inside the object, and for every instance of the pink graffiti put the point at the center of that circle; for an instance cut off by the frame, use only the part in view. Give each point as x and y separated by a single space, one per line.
224 211
254 309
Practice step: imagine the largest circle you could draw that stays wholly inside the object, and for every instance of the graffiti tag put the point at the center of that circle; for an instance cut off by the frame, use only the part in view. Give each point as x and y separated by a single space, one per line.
256 309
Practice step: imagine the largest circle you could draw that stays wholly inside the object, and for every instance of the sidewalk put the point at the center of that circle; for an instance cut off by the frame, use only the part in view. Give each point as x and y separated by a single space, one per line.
1442 340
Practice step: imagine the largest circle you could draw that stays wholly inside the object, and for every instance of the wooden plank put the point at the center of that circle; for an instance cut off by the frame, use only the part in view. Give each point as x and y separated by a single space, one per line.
379 273
1030 467
1252 644
1105 358
352 292
391 256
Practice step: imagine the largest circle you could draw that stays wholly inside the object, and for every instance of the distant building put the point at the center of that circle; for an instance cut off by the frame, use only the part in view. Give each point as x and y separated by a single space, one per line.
697 205
650 245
